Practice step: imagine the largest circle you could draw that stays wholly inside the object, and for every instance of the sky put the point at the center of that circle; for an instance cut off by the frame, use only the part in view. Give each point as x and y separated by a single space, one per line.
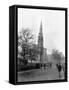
53 26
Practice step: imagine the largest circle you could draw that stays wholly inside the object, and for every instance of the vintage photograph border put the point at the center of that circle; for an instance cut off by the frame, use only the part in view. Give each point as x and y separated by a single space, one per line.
16 42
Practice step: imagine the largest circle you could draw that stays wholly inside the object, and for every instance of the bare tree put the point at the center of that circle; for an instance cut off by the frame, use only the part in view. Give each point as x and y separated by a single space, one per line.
25 36
58 56
33 53
25 40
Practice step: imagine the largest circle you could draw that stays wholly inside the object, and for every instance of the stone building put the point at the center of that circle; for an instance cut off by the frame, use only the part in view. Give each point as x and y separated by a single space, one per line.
42 51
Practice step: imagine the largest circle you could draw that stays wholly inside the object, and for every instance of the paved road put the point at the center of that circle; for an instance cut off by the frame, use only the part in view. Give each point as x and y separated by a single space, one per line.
37 75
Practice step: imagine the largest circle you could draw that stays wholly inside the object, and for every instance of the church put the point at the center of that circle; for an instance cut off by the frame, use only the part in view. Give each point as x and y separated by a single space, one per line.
42 55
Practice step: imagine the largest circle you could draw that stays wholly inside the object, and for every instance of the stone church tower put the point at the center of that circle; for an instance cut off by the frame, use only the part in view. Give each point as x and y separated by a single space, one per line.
40 44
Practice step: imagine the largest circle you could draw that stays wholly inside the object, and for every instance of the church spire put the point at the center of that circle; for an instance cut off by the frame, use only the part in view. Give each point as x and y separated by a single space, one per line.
40 42
40 36
41 27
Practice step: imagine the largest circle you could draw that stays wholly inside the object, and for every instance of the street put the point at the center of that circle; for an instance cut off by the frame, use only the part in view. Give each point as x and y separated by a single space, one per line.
39 74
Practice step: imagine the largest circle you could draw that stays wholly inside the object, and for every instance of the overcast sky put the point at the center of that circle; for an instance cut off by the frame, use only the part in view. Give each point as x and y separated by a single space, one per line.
53 24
